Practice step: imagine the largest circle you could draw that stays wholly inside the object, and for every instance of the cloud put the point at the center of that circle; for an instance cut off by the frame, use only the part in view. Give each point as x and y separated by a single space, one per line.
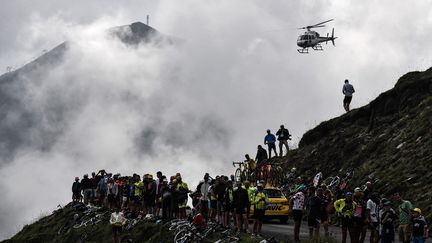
191 107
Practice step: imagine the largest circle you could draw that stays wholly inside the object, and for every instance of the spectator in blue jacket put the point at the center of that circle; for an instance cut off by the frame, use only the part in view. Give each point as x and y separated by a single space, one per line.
270 140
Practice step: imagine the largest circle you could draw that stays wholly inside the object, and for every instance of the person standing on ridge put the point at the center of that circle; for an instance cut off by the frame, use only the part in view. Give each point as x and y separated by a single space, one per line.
261 155
348 91
76 190
283 137
270 140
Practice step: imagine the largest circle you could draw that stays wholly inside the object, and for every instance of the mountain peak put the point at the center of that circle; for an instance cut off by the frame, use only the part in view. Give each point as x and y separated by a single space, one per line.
137 33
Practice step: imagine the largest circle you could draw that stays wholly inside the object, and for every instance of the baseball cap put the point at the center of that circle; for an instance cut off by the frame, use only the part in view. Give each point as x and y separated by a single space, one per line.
349 193
357 189
417 210
260 184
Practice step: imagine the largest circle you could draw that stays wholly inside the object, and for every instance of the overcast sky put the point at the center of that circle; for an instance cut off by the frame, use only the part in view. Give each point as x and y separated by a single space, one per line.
192 107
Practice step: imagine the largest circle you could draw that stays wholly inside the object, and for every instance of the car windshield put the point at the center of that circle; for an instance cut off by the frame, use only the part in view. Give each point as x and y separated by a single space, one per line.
274 193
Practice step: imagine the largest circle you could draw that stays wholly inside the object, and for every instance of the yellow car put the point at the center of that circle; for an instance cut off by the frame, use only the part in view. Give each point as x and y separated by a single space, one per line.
278 207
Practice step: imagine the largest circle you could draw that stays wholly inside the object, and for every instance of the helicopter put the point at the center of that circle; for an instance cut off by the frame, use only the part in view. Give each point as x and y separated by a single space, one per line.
312 39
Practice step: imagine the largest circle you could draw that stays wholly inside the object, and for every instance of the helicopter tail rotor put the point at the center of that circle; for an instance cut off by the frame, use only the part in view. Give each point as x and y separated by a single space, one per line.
333 38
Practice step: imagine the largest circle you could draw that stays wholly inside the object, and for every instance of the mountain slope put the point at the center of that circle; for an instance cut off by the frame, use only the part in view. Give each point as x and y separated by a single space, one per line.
21 126
388 140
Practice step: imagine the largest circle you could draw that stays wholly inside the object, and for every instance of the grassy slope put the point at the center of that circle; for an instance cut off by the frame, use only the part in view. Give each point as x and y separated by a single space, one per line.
45 230
389 139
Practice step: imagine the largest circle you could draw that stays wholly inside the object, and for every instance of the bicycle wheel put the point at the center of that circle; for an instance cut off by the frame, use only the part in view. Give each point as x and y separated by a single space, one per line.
77 226
183 236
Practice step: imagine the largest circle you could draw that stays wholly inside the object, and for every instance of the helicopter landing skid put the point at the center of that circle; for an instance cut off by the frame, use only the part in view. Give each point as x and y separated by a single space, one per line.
317 47
303 51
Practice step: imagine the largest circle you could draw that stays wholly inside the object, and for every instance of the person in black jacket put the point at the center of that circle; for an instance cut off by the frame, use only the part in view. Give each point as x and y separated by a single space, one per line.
261 156
76 190
86 186
241 200
283 137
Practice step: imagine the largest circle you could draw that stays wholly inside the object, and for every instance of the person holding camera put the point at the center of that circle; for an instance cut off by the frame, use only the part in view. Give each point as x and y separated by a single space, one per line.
283 137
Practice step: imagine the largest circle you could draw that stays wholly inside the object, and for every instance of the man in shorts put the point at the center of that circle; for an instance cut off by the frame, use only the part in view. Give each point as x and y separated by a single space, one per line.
348 91
297 206
404 211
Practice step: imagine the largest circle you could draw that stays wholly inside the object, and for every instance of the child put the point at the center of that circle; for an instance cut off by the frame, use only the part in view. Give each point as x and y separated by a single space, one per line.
419 227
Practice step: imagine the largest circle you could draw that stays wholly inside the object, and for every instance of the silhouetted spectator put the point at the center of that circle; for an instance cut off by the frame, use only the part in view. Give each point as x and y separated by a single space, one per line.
283 137
261 155
270 140
348 91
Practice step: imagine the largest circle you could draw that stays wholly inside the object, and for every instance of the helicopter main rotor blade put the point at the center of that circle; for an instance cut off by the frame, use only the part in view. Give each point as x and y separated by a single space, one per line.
315 25
310 27
323 22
